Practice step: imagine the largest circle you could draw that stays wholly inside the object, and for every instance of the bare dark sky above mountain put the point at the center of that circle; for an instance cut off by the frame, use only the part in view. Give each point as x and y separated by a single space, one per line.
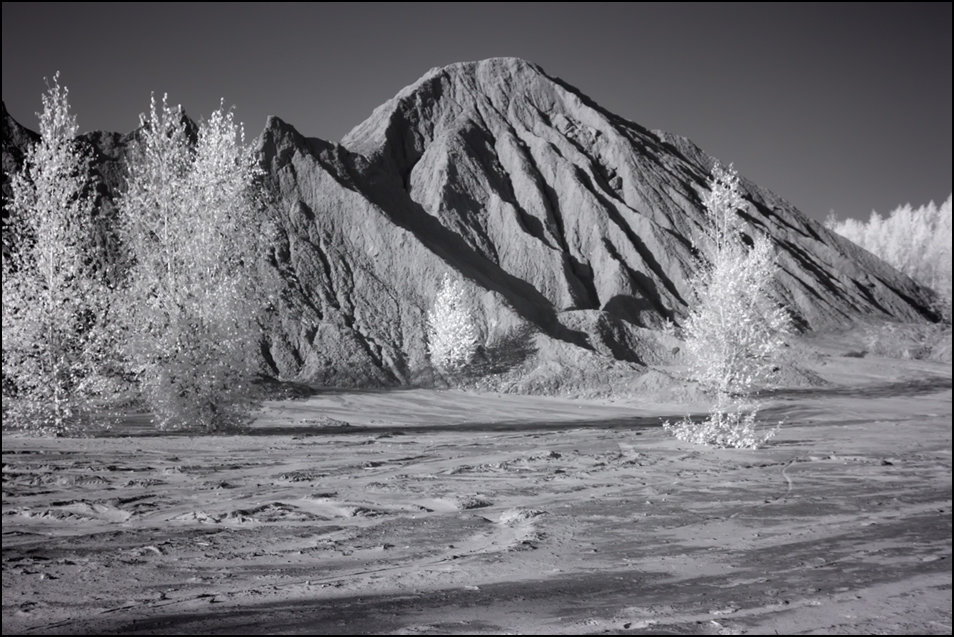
834 107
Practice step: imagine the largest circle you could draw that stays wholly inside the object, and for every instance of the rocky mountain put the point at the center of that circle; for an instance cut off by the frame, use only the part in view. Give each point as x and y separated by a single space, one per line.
561 217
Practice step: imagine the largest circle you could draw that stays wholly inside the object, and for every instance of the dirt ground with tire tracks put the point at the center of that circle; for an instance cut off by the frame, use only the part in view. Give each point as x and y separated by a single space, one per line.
425 511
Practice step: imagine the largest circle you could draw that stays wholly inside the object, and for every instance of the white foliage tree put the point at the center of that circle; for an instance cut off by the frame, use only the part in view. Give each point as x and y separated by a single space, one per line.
452 332
735 332
192 223
55 304
917 241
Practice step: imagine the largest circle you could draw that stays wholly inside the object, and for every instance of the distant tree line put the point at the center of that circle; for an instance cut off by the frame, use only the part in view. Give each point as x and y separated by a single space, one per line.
917 241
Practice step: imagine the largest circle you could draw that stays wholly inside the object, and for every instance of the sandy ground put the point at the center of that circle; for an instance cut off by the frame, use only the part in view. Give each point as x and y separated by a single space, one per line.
447 512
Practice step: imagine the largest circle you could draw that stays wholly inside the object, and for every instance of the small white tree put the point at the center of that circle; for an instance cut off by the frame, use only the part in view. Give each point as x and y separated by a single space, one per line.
735 333
192 224
452 332
55 303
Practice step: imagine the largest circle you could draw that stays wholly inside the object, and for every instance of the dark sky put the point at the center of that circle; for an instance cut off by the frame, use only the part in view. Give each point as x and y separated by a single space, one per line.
834 107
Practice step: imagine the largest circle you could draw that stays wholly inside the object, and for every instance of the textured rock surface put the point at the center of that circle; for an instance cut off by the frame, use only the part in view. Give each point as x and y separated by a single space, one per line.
594 211
556 213
16 139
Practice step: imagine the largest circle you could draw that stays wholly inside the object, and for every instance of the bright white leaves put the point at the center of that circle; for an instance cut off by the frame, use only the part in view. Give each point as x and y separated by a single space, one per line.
735 332
917 241
55 347
192 225
452 332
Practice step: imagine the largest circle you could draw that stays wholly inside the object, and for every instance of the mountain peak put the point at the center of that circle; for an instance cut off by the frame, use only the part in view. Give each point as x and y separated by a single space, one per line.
503 92
489 65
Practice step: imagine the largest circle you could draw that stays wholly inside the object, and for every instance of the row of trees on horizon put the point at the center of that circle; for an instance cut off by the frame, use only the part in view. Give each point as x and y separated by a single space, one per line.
916 241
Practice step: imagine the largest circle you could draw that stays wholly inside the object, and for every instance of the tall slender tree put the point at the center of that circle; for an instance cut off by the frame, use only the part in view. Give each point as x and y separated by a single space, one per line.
735 332
56 344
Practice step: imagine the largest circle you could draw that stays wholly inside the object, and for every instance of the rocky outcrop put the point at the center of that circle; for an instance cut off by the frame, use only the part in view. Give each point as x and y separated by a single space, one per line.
16 140
559 216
